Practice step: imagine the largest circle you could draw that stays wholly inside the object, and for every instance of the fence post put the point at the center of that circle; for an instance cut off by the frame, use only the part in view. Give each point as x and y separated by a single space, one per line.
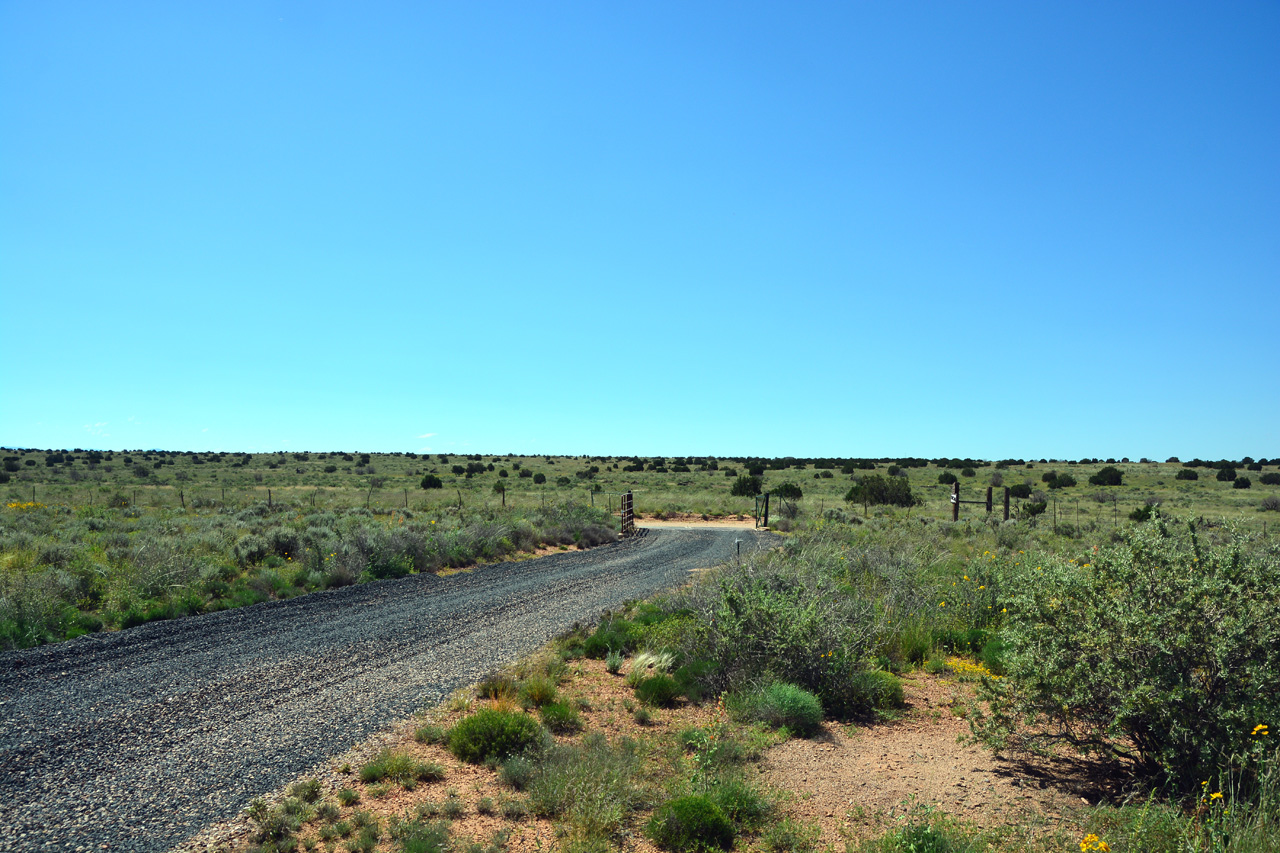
955 501
988 500
1006 503
766 509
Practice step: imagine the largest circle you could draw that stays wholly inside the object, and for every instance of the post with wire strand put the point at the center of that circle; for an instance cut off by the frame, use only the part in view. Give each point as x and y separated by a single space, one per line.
955 501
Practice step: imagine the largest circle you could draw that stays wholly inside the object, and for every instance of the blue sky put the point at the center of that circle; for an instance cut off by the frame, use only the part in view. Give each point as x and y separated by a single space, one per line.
838 229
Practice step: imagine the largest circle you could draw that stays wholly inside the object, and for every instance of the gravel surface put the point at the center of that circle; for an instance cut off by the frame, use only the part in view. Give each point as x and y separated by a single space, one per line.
136 740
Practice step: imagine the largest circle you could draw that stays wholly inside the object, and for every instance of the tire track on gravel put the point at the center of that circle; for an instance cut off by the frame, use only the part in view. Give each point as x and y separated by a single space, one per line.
136 740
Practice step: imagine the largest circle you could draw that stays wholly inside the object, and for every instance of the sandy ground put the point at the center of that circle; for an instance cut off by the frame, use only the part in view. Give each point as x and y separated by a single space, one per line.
854 782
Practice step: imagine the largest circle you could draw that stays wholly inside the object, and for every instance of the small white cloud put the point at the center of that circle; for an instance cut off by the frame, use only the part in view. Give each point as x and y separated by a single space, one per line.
425 450
206 429
427 435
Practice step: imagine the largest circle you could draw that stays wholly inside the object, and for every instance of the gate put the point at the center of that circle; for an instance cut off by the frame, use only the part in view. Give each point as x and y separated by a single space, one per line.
627 511
955 502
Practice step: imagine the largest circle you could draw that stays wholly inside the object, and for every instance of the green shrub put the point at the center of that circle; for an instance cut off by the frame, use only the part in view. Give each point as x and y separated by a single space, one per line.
1187 474
1062 481
745 807
348 797
307 791
790 491
612 635
1021 491
1270 479
690 823
1164 650
1142 513
946 478
431 481
1241 483
490 733
877 689
659 690
874 490
747 486
561 717
781 704
1226 475
1108 476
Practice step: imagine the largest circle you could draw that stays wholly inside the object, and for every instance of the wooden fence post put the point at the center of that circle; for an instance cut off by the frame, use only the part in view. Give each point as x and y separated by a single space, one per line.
766 509
1006 503
955 501
988 500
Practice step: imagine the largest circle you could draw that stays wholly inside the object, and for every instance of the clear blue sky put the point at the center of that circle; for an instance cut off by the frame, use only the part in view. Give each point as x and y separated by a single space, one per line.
846 228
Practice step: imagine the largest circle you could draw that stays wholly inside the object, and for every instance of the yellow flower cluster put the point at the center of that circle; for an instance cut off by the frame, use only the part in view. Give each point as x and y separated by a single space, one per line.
1093 842
963 667
1260 730
23 507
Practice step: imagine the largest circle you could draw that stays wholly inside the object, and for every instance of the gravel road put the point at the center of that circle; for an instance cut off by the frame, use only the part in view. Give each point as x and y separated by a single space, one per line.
137 739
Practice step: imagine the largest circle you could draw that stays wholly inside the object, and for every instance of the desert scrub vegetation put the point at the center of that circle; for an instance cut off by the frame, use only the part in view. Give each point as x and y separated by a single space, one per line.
1162 649
67 571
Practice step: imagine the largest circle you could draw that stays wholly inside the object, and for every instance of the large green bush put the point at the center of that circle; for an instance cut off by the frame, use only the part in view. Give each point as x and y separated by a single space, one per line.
490 733
781 617
1108 476
1163 649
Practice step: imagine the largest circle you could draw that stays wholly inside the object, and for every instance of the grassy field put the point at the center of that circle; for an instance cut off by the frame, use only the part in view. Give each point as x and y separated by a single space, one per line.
101 540
698 485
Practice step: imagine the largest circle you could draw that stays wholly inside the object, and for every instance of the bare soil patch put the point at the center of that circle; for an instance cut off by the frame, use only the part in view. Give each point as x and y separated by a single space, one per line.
853 782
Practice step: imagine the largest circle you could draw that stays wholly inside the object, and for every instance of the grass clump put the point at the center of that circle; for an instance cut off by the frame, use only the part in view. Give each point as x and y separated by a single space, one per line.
307 791
561 718
517 772
418 837
789 836
658 690
537 690
612 635
491 733
348 797
783 705
691 823
591 786
400 767
431 733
